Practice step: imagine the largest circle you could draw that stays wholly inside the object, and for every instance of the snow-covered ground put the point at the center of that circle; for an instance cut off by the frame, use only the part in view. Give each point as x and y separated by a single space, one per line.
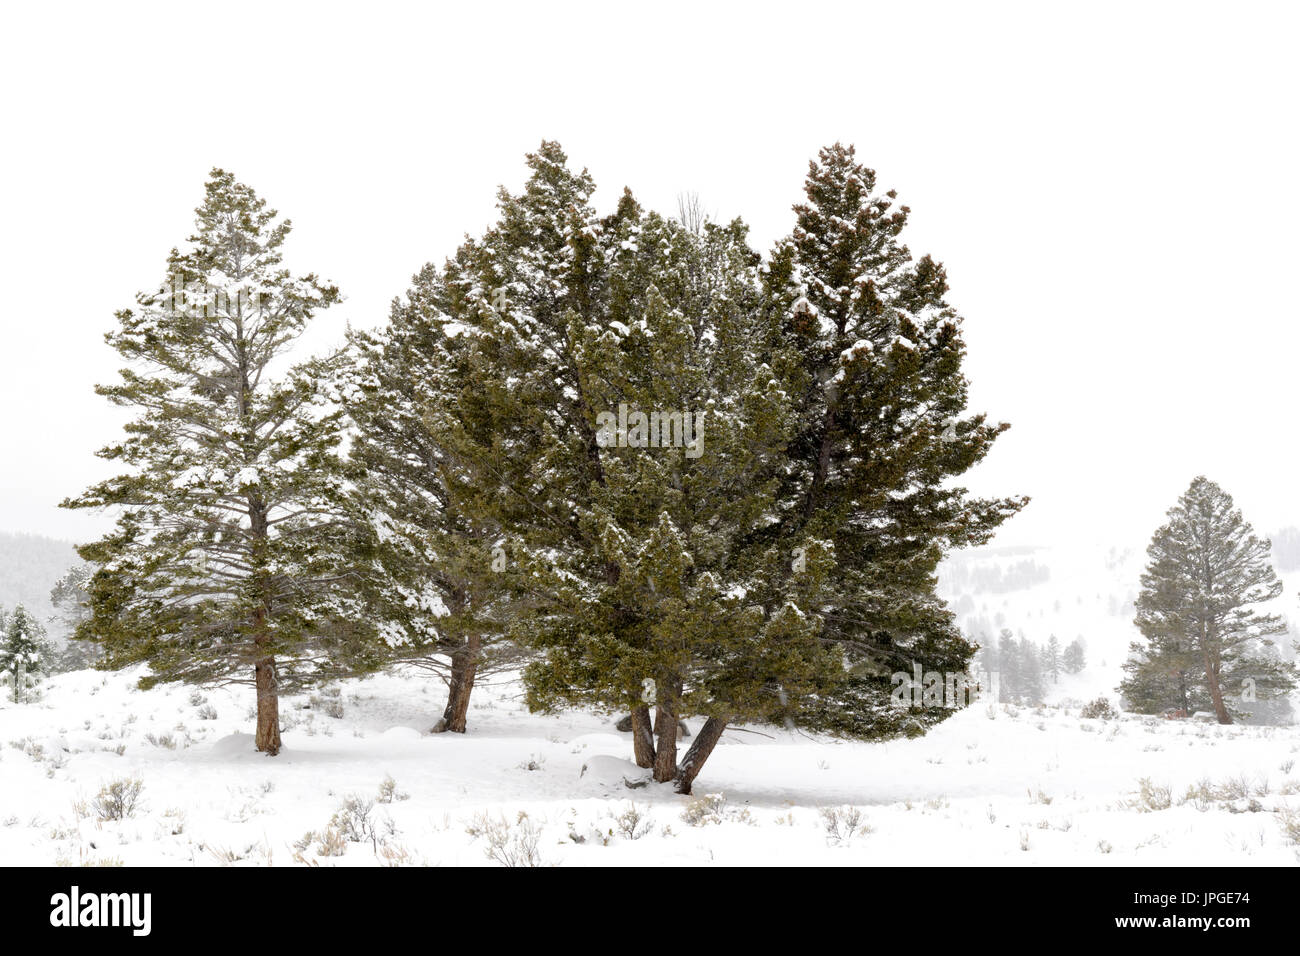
990 786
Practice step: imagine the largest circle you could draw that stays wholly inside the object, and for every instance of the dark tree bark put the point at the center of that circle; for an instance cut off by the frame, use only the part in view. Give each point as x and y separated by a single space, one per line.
464 668
268 707
665 764
693 762
268 687
643 743
1216 693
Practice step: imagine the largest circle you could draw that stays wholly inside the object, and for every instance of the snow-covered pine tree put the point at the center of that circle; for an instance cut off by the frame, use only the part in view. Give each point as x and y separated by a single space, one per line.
1074 659
448 614
237 554
1206 572
24 652
1011 684
1052 659
70 599
986 658
1163 673
880 433
1031 672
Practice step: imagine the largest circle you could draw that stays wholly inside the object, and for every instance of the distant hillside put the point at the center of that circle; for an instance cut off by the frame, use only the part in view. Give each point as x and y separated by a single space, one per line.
29 566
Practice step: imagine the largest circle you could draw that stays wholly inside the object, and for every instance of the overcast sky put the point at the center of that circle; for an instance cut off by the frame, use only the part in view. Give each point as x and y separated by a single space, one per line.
1113 189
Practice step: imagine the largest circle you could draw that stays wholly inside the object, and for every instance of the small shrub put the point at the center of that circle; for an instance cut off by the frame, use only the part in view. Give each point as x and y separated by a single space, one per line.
705 810
352 820
118 799
331 843
1151 797
511 845
712 808
1288 819
1099 709
633 822
842 824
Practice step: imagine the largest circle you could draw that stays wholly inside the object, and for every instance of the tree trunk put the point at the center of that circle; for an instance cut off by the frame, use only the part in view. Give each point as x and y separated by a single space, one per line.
643 742
665 763
464 668
693 762
1216 694
268 707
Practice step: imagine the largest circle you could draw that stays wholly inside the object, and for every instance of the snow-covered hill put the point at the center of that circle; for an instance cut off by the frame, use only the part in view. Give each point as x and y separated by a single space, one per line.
991 785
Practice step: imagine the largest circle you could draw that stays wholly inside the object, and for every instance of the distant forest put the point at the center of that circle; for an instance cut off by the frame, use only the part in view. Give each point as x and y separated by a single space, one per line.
29 566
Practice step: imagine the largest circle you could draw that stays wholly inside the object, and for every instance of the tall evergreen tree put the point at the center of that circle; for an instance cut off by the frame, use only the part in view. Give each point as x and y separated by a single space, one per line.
1031 672
24 653
1074 659
1206 573
879 429
1052 659
448 616
1163 673
1011 680
70 598
237 554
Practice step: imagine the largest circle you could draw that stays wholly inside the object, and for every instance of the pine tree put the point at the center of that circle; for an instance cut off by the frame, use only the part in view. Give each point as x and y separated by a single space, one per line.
449 616
24 653
70 598
1052 659
1011 681
1031 672
1206 571
1161 675
237 554
986 658
1074 659
879 431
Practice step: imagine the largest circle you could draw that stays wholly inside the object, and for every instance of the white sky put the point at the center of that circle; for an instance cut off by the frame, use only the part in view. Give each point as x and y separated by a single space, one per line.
1113 188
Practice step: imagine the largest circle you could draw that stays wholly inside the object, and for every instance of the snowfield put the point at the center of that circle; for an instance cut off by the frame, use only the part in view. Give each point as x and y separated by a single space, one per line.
992 785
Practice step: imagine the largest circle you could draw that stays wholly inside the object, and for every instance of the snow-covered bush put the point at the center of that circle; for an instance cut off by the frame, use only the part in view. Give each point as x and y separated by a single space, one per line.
118 799
1099 709
508 844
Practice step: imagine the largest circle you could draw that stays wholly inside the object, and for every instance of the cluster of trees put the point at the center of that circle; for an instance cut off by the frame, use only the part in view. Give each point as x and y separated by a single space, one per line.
1024 668
449 489
1206 645
996 579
